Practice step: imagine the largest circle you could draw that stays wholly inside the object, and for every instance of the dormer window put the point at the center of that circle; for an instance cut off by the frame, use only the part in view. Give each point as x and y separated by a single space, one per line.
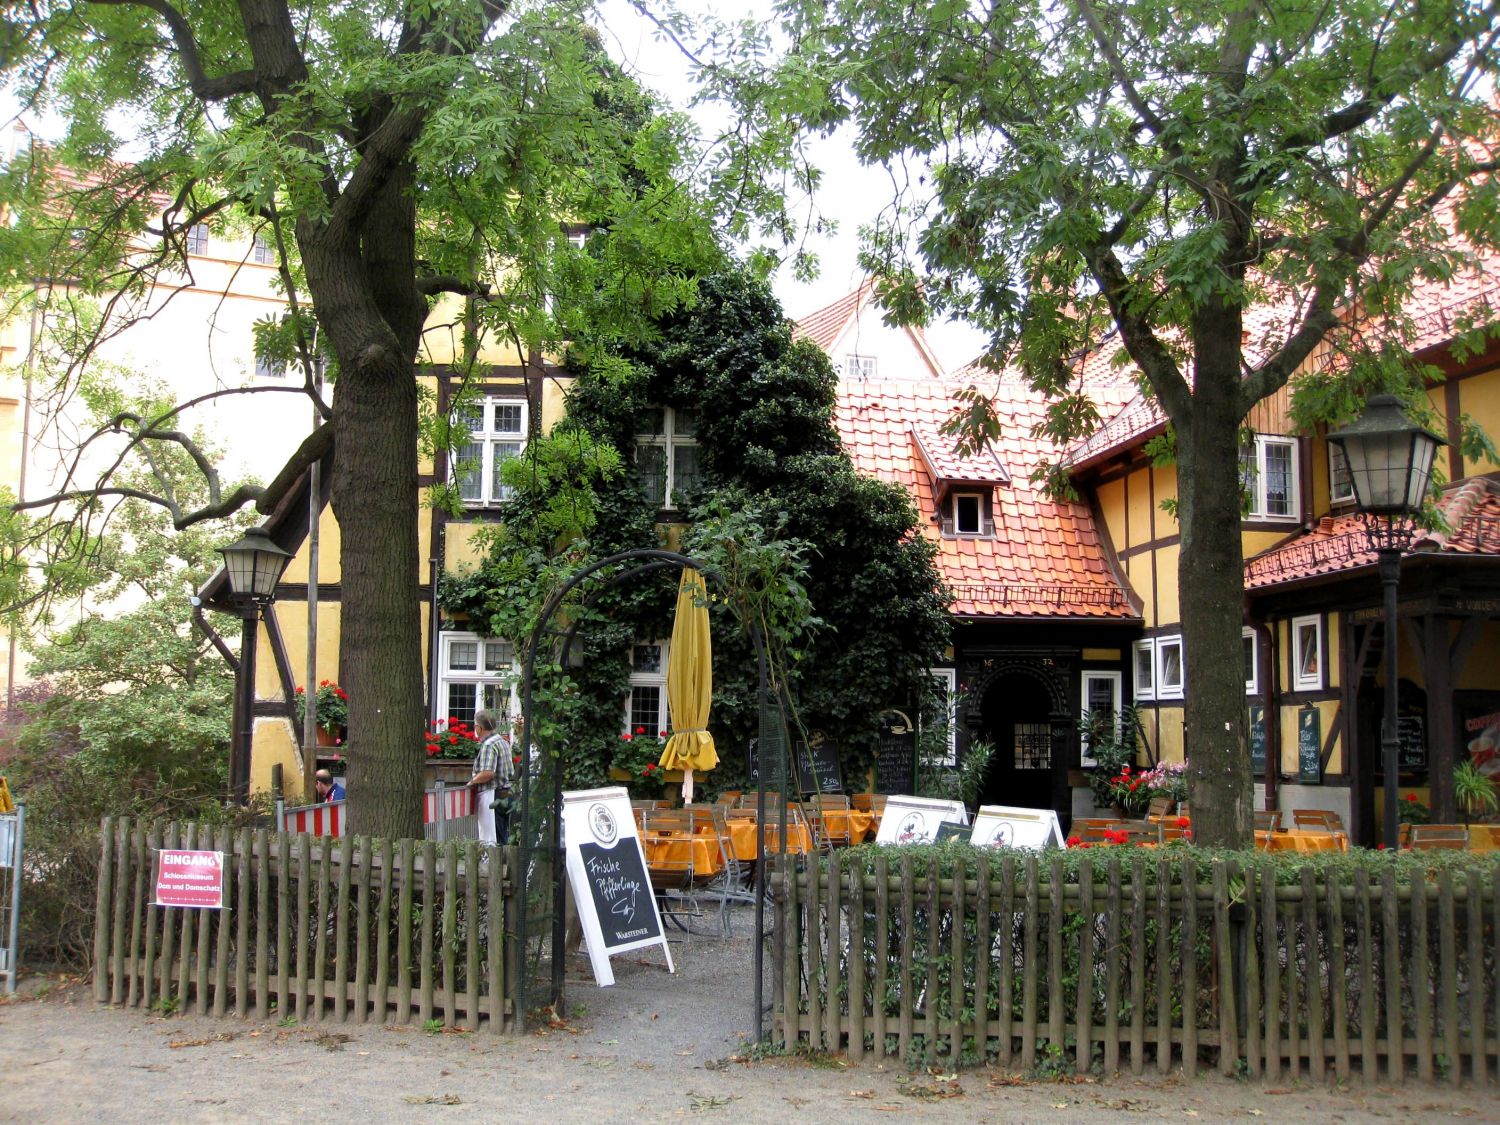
968 514
859 366
666 456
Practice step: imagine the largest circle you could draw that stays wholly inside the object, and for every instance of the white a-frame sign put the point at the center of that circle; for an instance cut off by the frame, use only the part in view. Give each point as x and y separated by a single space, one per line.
607 871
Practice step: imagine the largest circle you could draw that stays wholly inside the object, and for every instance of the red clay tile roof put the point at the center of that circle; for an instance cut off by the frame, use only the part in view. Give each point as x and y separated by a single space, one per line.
1340 543
1046 558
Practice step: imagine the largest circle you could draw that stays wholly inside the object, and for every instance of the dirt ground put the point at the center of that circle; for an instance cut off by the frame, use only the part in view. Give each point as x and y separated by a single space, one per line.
654 1047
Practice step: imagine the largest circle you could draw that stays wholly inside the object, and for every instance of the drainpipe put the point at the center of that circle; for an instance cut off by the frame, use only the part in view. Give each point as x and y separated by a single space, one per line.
314 514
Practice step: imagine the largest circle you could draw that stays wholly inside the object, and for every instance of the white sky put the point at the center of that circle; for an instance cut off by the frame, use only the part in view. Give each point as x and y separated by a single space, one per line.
851 193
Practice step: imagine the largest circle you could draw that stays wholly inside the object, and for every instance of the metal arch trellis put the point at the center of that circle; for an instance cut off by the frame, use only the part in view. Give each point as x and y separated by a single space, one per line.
646 561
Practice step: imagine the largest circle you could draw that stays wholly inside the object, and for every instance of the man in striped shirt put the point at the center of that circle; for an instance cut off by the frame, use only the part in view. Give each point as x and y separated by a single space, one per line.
491 780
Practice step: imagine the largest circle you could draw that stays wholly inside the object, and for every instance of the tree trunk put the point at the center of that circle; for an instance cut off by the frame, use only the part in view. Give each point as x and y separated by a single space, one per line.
1210 590
363 283
380 646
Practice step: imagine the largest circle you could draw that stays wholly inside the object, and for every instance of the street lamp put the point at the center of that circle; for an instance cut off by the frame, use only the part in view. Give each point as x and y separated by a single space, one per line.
253 566
1390 463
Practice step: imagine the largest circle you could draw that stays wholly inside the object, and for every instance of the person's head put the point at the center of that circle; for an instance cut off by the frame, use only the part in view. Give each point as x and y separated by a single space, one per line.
484 723
323 780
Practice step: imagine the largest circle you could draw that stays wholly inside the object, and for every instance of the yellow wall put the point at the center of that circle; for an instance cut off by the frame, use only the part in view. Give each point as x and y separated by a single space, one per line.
1480 397
1111 499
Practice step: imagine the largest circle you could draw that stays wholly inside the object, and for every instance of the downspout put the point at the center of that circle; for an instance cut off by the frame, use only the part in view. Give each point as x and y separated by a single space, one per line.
314 515
1272 699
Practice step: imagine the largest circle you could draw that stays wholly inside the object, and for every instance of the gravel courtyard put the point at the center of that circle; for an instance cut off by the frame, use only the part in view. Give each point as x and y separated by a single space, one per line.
654 1047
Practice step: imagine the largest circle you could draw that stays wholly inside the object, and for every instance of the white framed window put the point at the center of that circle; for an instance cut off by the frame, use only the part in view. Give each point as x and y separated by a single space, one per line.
1101 696
667 456
1169 674
475 673
495 429
945 689
1252 661
1269 475
197 239
859 366
1307 653
646 713
261 252
1340 481
965 514
1143 665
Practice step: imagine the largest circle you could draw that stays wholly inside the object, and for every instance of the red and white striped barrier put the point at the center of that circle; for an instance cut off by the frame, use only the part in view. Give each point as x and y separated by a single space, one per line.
326 819
444 803
440 806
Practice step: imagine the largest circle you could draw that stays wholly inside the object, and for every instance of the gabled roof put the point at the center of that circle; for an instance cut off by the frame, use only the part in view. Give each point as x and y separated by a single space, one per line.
1046 559
947 468
825 326
1338 544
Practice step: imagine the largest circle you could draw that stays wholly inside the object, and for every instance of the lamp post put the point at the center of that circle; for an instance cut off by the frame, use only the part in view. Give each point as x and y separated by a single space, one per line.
253 565
1390 463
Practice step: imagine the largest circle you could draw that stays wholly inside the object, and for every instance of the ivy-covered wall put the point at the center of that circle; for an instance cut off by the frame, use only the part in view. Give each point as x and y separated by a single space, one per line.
764 406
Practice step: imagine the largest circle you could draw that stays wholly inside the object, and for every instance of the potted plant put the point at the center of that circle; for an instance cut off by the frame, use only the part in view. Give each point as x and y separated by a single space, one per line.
1474 791
1112 745
330 714
638 757
452 740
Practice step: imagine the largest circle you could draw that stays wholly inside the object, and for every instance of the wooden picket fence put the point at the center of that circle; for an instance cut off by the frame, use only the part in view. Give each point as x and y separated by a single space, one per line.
1276 968
352 929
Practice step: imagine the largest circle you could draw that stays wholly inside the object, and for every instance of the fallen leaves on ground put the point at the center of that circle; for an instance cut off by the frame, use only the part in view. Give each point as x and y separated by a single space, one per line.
944 1086
332 1040
433 1099
1133 1105
861 1093
217 1037
710 1101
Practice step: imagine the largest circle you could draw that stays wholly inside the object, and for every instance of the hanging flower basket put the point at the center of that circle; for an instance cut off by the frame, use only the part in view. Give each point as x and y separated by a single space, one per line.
331 713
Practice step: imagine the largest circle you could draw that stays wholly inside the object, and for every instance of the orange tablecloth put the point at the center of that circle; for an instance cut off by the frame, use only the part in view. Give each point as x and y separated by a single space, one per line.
672 852
742 838
1484 838
858 825
1293 840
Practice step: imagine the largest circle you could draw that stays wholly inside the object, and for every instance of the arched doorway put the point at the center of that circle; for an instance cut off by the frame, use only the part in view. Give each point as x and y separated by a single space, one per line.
1015 713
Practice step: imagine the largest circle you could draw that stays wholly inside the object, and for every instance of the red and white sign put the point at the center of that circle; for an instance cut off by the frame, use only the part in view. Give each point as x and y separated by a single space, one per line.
185 878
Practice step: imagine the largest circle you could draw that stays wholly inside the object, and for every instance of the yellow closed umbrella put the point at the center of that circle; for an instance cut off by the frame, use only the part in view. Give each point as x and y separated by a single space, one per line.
690 685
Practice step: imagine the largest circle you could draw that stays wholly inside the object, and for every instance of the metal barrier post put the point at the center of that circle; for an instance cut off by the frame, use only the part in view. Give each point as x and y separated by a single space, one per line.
280 814
440 812
13 939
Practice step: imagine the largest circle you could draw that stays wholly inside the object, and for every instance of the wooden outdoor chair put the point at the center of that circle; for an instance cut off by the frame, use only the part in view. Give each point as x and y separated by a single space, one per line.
1317 820
1138 831
728 885
1267 820
872 803
1426 837
671 876
832 831
1170 832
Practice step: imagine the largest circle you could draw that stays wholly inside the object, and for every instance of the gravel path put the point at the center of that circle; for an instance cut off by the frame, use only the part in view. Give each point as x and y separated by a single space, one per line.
654 1047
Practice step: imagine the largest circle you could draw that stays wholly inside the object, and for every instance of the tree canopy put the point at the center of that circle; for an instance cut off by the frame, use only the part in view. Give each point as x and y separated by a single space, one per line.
388 155
1214 192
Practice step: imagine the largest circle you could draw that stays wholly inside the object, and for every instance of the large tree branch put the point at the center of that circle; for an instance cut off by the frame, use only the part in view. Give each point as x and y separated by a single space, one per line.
1380 92
1272 375
1122 77
1144 346
434 284
205 88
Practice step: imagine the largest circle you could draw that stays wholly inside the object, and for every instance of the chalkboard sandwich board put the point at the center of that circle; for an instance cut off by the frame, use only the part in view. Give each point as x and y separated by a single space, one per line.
896 755
1003 826
818 768
1310 746
608 876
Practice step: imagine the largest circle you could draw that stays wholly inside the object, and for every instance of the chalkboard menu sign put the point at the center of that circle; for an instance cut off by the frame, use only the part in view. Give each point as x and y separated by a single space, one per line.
1257 726
607 873
895 758
1412 752
1310 746
774 760
818 768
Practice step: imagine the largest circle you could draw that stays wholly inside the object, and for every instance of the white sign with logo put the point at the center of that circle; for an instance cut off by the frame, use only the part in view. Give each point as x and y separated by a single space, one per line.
1000 826
915 820
610 881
